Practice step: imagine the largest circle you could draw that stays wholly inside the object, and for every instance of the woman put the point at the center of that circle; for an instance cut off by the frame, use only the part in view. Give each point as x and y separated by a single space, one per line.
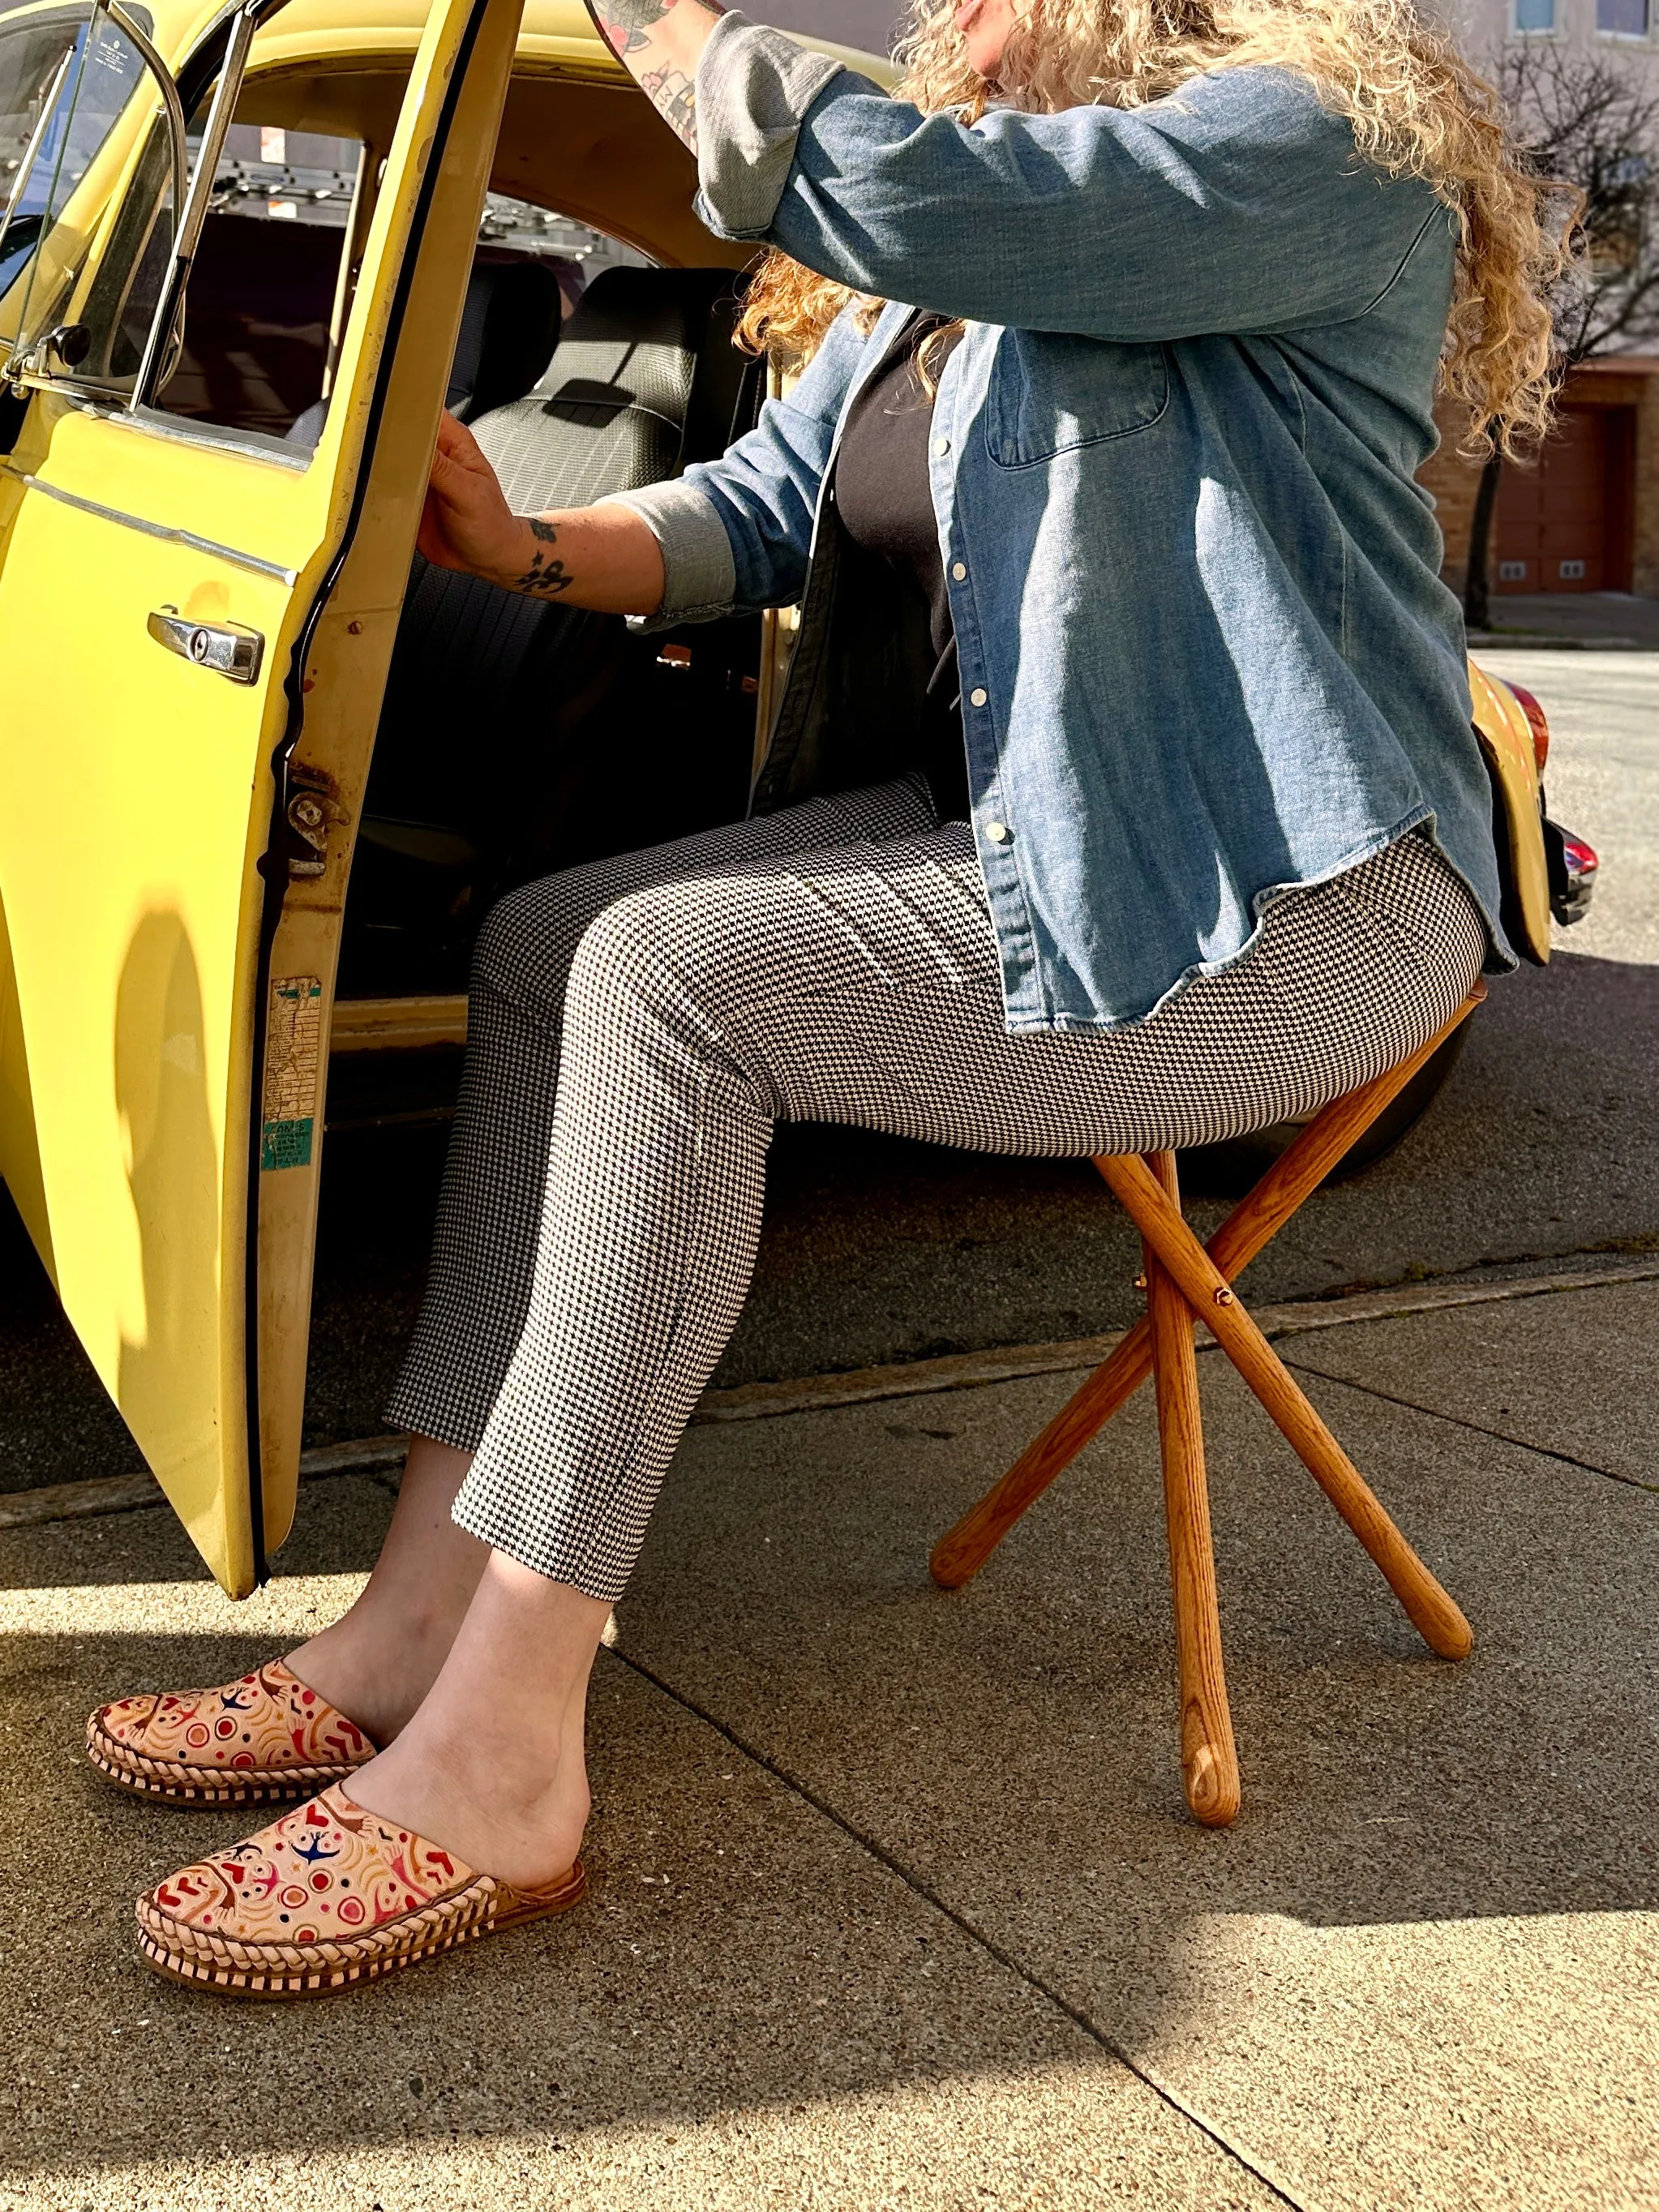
1148 811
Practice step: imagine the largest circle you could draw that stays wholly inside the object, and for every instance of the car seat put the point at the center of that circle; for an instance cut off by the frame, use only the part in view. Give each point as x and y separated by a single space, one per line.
486 771
510 325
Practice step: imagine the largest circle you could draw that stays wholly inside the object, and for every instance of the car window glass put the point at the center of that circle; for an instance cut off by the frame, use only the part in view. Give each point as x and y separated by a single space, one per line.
70 102
126 291
267 291
38 49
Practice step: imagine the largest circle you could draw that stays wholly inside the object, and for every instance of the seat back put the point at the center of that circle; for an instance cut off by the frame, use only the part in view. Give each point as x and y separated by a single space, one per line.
644 365
510 325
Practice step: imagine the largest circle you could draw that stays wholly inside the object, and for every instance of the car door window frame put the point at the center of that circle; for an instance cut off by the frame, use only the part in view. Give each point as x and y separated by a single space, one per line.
37 334
220 60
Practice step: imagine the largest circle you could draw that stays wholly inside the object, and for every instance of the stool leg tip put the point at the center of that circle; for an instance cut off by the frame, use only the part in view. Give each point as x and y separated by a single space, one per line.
1211 1785
953 1564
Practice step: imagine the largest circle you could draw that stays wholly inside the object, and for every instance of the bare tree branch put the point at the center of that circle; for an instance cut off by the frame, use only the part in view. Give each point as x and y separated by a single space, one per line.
1588 126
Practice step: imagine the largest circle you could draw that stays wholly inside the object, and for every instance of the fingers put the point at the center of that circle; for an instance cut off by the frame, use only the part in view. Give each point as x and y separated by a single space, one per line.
450 477
457 444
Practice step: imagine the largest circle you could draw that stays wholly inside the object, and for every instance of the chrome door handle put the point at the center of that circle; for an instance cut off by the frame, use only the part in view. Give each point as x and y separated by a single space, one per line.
226 648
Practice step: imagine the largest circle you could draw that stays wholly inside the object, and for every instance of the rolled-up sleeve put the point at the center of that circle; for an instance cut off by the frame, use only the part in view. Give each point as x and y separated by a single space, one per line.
700 574
1237 203
754 88
737 533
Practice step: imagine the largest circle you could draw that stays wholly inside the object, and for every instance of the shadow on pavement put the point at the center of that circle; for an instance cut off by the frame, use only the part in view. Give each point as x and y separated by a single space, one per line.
855 1838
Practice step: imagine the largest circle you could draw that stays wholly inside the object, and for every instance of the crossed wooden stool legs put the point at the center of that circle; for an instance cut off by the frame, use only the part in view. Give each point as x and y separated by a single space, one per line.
1186 1280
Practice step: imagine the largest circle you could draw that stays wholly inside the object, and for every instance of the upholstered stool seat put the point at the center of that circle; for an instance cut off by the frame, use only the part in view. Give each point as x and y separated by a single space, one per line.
1187 1281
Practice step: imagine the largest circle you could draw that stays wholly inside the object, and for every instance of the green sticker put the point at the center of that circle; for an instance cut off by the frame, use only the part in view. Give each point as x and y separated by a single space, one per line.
287 1144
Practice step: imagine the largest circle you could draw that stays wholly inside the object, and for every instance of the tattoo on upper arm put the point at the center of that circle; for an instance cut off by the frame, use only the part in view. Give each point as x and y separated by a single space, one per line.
626 23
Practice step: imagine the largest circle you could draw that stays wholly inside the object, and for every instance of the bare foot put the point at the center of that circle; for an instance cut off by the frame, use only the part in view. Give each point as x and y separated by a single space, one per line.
503 1812
491 1767
377 1664
374 1672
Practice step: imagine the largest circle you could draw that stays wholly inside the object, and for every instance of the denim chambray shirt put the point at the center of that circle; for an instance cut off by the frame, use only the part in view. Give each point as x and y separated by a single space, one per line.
1206 652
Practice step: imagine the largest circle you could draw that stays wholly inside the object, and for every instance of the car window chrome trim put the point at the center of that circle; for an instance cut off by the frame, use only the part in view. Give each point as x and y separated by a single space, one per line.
192 216
166 531
188 430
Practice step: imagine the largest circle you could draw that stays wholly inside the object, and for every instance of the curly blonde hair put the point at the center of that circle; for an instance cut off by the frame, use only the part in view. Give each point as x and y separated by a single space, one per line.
1417 109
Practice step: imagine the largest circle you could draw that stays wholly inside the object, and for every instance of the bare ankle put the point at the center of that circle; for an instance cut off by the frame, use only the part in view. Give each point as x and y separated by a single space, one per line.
374 1670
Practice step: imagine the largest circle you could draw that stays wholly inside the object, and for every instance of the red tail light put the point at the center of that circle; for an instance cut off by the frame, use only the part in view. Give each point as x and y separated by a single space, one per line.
1537 722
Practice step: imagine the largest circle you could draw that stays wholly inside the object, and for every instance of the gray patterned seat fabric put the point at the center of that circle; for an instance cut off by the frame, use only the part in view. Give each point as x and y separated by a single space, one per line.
510 325
610 413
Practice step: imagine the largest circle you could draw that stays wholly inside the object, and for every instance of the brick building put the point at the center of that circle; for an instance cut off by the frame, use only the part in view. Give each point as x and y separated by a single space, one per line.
1585 516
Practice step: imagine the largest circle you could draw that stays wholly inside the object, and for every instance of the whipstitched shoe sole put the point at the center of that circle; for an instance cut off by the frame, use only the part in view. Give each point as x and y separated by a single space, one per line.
201 1960
170 1782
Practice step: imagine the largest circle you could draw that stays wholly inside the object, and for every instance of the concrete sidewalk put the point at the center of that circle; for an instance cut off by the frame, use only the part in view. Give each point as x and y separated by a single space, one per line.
897 1904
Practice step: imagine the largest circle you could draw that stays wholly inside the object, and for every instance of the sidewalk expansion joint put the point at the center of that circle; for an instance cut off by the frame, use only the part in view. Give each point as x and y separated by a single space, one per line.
1480 1428
922 1888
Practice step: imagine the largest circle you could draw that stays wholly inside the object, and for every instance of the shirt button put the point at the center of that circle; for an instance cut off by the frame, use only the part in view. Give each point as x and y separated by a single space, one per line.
959 570
998 832
978 698
941 445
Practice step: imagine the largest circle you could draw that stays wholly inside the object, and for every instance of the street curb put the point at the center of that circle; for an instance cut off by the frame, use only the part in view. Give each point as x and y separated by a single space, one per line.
863 1386
1539 641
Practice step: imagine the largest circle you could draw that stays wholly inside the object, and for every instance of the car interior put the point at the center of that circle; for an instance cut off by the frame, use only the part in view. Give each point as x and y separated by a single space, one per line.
517 736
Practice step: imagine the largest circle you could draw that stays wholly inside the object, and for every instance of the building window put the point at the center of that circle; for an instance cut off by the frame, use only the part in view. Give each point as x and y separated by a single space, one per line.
1538 14
1622 19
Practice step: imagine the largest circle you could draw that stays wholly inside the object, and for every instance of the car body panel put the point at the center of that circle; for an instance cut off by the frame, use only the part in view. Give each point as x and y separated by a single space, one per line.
1506 739
135 804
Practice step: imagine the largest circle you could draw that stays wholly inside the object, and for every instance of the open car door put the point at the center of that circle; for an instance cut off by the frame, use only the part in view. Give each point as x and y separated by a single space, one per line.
195 626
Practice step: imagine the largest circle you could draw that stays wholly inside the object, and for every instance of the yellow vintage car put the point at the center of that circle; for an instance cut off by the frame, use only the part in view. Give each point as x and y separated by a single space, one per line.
247 253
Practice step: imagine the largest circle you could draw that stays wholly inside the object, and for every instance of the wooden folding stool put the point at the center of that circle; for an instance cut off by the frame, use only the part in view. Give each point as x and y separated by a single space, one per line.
1186 1280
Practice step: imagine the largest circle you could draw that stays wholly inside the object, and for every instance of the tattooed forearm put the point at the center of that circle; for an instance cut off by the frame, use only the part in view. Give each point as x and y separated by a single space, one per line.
661 41
626 23
632 15
546 573
674 95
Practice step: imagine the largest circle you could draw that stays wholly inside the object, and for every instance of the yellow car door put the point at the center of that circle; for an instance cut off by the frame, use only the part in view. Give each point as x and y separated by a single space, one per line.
194 629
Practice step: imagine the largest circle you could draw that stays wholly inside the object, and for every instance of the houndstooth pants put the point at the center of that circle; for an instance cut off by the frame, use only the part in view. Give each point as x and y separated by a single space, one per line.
638 1025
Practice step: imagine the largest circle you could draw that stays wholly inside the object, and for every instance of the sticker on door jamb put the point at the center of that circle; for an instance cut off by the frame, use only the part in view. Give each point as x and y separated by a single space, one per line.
292 1037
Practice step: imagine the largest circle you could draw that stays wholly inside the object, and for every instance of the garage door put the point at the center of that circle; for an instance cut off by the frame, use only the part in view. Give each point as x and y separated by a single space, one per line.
1554 521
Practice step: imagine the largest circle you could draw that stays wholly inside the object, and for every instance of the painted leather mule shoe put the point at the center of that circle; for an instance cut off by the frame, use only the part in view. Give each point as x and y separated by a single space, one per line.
266 1740
326 1899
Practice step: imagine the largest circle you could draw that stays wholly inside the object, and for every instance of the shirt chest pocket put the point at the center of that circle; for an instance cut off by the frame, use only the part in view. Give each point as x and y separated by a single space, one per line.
1050 394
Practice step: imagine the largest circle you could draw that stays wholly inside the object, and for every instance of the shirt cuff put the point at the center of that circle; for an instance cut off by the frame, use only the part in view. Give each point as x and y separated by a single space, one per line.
754 88
701 573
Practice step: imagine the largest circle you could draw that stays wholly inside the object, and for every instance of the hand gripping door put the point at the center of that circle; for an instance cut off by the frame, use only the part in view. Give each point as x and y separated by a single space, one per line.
194 631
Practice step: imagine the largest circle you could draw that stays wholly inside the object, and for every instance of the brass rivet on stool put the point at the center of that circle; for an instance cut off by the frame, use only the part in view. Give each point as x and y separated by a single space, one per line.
1224 1297
1140 1282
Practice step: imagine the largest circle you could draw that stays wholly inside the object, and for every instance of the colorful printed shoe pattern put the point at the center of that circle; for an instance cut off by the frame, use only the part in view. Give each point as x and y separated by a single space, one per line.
328 1897
265 1740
